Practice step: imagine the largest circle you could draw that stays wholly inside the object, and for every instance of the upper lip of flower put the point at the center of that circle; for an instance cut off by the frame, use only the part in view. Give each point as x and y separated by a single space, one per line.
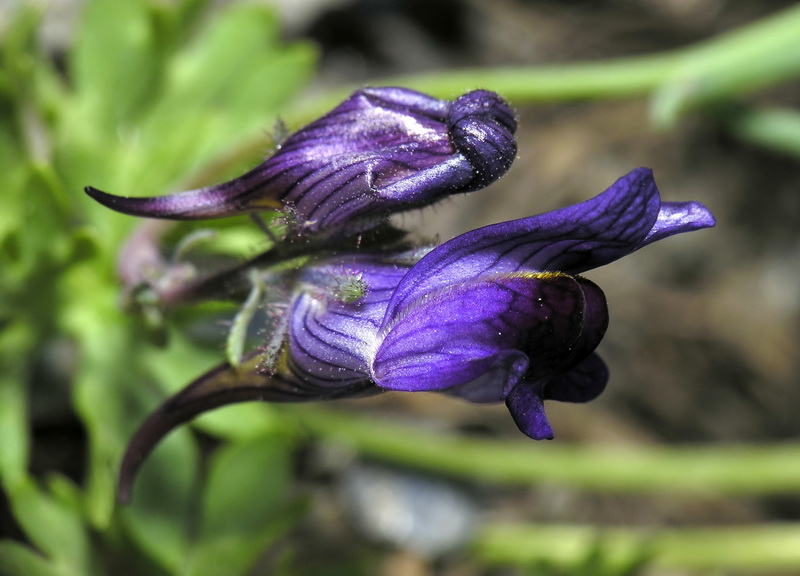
382 150
502 299
626 217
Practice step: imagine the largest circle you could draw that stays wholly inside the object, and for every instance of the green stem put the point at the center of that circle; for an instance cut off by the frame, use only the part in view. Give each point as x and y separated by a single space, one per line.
701 470
774 128
761 547
753 56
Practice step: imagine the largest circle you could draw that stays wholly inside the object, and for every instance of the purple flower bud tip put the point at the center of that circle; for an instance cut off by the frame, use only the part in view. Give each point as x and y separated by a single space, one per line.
381 151
482 127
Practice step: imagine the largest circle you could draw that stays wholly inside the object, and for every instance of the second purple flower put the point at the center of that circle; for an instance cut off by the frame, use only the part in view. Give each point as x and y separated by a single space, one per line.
383 150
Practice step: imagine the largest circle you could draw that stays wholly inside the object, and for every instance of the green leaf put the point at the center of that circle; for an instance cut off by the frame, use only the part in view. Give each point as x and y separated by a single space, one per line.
245 506
17 559
159 517
248 483
18 52
178 363
14 174
112 388
15 340
55 528
113 64
229 83
104 399
231 556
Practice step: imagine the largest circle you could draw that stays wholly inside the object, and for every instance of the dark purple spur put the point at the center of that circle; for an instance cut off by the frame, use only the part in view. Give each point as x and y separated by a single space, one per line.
381 151
499 314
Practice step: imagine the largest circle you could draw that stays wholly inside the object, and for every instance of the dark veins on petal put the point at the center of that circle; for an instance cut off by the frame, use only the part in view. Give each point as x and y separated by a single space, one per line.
572 239
382 150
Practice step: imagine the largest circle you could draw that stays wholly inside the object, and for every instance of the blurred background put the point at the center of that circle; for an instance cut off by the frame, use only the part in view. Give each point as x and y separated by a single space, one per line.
702 346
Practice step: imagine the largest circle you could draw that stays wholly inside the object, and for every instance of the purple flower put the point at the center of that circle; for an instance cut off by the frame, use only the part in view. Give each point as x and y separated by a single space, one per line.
499 314
496 314
382 150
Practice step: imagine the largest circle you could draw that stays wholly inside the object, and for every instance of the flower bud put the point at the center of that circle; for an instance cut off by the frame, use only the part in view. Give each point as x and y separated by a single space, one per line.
381 151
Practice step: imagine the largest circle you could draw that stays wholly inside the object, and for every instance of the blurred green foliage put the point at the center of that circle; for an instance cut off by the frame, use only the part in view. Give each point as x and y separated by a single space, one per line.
149 93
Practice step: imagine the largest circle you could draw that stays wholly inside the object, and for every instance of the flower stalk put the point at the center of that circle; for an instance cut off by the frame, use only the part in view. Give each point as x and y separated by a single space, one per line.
732 470
772 547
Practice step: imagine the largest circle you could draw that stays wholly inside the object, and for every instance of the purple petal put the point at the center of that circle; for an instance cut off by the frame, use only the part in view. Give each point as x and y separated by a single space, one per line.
527 409
380 151
330 341
582 374
482 128
678 217
507 368
582 383
595 323
572 239
211 202
456 335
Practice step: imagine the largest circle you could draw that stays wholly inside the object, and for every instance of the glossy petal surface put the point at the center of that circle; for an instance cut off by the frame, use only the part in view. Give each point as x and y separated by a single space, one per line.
450 337
571 240
526 406
382 150
677 218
